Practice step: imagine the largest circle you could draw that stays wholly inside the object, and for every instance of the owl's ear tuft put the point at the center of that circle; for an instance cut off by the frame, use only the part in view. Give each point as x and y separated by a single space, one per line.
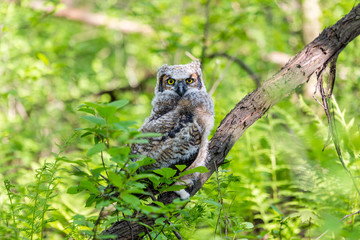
163 68
196 64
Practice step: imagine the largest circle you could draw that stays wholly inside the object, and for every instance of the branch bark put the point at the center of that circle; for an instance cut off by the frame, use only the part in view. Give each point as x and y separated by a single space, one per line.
94 19
312 59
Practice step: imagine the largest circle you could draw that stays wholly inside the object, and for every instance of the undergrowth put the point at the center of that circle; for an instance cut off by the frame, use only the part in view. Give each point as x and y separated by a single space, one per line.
284 190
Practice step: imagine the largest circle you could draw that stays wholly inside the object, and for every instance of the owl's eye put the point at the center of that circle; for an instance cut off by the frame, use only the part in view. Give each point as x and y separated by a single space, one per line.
189 80
170 81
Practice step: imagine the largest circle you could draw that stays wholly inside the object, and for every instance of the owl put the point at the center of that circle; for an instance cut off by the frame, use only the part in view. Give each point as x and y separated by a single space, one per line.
183 113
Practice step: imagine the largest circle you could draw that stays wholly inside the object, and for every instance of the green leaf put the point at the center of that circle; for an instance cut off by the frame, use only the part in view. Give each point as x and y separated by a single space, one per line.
166 172
146 135
43 58
90 186
91 200
73 190
119 104
125 124
160 220
155 180
276 209
160 204
96 149
139 141
96 120
180 167
304 215
86 134
108 236
146 161
107 112
65 159
93 105
87 110
212 202
200 169
247 225
131 199
143 176
116 179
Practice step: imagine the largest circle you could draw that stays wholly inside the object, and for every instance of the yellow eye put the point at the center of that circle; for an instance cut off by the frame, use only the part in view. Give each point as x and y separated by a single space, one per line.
189 80
170 81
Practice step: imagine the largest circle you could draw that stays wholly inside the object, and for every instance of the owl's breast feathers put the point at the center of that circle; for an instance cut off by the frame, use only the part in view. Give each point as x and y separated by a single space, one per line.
179 144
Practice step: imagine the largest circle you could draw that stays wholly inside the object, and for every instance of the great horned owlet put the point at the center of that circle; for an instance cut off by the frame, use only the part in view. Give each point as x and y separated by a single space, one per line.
183 112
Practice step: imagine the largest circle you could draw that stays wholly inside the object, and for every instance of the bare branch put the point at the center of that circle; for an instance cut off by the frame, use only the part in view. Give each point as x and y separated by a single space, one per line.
139 87
252 74
346 216
95 19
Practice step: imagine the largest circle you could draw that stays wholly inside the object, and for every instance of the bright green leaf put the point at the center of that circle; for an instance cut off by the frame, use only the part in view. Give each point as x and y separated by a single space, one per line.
119 104
96 149
200 169
96 120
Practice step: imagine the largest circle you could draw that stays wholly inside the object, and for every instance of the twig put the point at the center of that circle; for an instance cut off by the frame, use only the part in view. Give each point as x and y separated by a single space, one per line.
221 200
94 19
106 179
190 56
148 233
177 234
160 232
325 96
331 77
252 74
131 229
206 32
346 216
141 85
103 163
349 215
220 78
97 223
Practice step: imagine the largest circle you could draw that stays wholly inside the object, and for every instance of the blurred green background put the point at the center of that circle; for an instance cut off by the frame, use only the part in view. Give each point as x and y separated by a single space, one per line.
55 55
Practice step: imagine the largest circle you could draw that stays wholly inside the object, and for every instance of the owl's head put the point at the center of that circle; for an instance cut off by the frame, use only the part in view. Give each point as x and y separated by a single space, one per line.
179 79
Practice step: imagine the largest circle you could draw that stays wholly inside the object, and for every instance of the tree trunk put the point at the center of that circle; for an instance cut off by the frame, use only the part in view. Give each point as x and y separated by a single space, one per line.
312 59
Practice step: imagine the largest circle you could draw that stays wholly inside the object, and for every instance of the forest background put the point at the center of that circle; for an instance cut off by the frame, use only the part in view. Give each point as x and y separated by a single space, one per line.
278 183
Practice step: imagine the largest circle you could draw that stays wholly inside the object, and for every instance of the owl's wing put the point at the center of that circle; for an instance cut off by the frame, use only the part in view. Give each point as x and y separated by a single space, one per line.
179 143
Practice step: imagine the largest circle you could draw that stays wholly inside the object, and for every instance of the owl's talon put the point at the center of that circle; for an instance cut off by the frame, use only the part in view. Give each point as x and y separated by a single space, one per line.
183 194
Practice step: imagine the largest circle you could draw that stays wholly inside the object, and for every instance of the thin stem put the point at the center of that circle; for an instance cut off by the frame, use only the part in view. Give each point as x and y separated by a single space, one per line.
103 163
342 219
221 201
241 63
177 234
97 223
206 32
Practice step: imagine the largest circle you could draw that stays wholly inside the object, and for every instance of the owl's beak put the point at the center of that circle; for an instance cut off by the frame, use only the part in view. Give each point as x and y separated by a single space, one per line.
181 88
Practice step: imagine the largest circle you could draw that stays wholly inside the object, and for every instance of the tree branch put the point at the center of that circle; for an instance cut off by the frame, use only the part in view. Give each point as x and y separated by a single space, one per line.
95 19
314 57
139 87
240 63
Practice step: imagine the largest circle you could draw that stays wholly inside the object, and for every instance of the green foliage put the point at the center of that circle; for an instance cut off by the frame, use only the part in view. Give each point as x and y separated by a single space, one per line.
278 182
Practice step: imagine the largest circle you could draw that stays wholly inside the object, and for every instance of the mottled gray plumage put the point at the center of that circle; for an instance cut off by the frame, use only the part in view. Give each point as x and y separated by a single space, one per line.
183 113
